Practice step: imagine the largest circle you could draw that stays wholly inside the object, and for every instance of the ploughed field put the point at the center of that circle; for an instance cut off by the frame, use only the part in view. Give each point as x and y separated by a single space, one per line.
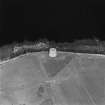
68 79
